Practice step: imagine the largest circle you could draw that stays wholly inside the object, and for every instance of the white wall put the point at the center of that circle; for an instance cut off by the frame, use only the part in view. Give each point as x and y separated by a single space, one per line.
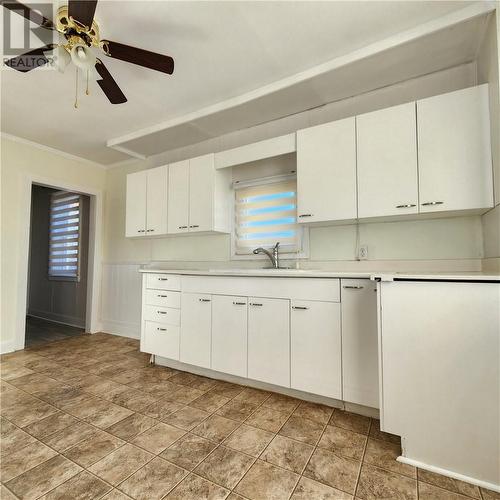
19 162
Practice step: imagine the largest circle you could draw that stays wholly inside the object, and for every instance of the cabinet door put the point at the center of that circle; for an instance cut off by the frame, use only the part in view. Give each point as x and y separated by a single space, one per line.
178 197
326 172
201 193
157 192
160 339
229 334
196 325
454 152
135 211
316 363
269 340
359 342
387 162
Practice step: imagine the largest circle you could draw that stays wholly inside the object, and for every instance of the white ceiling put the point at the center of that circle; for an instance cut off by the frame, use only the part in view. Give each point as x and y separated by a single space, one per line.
221 50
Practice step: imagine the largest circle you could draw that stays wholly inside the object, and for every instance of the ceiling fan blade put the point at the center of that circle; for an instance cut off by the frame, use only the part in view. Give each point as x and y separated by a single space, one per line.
31 60
28 13
142 57
108 84
82 11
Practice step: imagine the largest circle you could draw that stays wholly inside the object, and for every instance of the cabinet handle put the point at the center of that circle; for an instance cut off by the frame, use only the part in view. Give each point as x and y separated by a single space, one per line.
240 303
183 227
162 279
141 230
353 287
161 329
305 215
162 296
255 304
204 300
408 205
300 308
427 203
149 230
194 225
161 312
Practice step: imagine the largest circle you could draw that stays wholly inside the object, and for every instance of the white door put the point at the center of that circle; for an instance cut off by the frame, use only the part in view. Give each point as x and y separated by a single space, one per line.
454 152
178 197
201 193
326 172
269 340
196 326
157 192
135 208
316 362
229 334
359 342
387 162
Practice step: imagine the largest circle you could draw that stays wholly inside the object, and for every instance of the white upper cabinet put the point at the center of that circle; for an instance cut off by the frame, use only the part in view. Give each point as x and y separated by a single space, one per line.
454 152
387 162
201 193
326 172
178 197
146 202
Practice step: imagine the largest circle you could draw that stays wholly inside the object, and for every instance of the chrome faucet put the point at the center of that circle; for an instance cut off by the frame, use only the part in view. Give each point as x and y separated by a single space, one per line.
274 256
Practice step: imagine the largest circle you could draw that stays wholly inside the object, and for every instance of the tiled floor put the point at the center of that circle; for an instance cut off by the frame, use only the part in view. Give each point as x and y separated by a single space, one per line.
40 331
87 418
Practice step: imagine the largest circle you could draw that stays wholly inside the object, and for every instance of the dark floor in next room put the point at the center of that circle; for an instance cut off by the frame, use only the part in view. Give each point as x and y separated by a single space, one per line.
41 331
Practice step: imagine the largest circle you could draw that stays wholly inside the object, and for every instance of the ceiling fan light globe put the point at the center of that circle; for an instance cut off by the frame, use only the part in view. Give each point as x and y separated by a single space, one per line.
62 59
83 57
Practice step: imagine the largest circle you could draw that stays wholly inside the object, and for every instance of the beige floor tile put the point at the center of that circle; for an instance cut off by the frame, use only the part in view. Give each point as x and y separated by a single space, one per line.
314 411
188 451
266 482
308 489
26 410
40 364
93 449
333 470
68 437
63 395
282 403
350 421
6 494
50 425
287 453
196 488
237 410
302 429
267 419
133 400
254 396
43 478
203 383
12 438
23 459
490 495
62 373
115 494
384 454
375 484
250 440
376 433
186 418
185 395
6 387
158 438
162 409
216 428
224 467
450 484
343 442
34 382
183 378
430 492
132 425
120 464
226 389
99 412
83 486
153 481
10 370
209 402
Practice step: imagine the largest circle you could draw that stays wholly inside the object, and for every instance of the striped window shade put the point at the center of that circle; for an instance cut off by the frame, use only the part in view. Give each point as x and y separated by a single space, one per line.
64 236
266 214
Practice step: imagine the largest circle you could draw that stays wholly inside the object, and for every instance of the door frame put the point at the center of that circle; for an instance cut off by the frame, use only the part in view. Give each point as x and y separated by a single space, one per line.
92 324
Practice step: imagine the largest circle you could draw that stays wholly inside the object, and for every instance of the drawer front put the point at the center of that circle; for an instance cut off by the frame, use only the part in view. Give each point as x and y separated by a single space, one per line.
165 315
163 298
163 281
160 339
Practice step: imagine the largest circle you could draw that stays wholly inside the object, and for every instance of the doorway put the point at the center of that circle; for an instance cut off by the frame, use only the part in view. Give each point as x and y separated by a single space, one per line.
58 265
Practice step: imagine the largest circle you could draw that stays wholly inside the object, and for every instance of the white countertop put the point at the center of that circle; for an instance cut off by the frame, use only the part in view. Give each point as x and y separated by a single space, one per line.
310 273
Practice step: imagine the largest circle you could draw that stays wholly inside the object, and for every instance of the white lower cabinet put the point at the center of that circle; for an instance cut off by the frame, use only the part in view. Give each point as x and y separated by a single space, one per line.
316 362
161 339
196 326
269 340
360 342
229 334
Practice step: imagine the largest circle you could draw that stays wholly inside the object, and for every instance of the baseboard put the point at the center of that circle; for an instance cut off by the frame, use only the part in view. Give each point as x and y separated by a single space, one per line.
449 473
61 319
491 264
122 329
7 346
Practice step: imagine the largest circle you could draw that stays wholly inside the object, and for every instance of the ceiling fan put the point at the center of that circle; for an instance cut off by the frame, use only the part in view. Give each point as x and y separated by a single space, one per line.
80 33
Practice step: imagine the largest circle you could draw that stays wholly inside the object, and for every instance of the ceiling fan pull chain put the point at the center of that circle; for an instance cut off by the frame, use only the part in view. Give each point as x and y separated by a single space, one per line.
76 88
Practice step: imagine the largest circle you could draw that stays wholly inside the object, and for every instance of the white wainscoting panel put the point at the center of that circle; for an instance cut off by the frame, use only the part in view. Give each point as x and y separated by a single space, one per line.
121 299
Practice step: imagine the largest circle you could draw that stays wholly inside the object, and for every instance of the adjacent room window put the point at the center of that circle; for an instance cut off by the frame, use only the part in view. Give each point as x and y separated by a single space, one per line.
64 236
266 213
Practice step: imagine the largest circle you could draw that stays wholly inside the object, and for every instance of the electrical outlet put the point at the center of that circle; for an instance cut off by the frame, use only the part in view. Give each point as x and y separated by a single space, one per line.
363 252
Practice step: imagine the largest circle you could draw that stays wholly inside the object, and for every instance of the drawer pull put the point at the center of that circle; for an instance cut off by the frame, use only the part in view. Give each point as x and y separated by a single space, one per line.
194 225
300 308
149 230
255 304
305 215
428 203
353 287
408 205
141 230
240 303
204 300
161 329
162 279
162 296
183 227
161 312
